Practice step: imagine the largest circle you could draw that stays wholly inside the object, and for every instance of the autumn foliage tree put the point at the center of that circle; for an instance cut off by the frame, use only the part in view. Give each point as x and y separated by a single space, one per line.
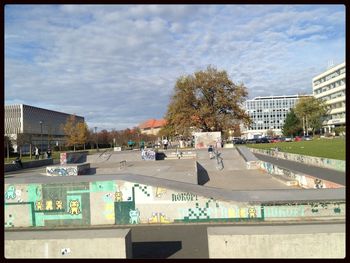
76 132
207 100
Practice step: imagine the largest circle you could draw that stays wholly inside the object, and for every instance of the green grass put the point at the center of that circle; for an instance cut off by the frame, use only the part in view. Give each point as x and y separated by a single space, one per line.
55 155
326 148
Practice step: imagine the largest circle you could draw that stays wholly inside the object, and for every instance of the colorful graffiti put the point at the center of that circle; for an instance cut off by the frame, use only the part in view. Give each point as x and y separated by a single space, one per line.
72 157
148 155
333 164
303 180
123 203
62 171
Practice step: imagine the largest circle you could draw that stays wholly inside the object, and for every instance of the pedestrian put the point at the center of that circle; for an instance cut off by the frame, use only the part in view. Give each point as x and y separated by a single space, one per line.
19 161
211 151
49 153
142 145
36 153
165 143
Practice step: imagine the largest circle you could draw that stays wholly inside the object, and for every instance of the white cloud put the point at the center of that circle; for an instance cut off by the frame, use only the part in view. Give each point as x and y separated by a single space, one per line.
117 65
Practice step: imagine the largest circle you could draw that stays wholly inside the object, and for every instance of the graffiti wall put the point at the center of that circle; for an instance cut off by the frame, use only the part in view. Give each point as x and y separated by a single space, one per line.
204 139
333 164
121 202
68 170
303 180
73 157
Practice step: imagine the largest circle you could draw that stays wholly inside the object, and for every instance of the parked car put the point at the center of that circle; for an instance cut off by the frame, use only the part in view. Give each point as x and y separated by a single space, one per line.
307 138
288 139
276 139
262 140
297 139
251 141
238 141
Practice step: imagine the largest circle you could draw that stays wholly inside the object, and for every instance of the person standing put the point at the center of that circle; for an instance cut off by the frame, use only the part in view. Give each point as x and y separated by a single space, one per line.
36 153
211 152
165 143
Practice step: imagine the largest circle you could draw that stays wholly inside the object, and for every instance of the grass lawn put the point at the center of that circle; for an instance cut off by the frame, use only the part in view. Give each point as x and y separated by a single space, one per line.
55 156
327 148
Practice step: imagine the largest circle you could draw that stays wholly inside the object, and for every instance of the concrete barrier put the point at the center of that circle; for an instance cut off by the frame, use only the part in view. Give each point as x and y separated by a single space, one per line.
73 157
35 163
251 161
296 178
291 241
333 164
80 202
68 169
101 243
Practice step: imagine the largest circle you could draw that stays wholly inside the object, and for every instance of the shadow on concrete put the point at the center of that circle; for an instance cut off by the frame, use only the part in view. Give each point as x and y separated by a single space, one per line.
160 156
91 171
155 249
202 175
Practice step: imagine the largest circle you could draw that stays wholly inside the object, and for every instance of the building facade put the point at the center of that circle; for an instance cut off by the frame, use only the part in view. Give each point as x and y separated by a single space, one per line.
152 126
330 87
39 126
268 113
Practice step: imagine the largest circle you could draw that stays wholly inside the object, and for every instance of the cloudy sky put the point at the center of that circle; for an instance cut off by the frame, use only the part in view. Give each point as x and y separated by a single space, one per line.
117 65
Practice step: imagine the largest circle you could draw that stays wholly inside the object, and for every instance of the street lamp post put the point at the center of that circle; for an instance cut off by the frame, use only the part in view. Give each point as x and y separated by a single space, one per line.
96 139
41 137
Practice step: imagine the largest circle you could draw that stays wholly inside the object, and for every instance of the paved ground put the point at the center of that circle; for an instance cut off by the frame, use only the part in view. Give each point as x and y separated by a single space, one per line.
322 173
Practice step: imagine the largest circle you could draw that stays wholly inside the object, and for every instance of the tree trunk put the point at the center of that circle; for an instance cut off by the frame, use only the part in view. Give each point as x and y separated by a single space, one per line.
74 147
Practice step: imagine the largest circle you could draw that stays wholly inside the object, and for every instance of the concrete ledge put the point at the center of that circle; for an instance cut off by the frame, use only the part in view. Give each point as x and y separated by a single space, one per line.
73 157
35 163
251 161
286 241
290 177
337 165
67 169
102 243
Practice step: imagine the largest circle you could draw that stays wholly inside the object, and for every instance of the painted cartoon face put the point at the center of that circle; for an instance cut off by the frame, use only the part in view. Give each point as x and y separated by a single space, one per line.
251 212
118 196
74 207
59 204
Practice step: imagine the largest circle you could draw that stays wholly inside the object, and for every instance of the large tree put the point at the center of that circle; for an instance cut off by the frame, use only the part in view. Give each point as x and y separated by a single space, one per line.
311 112
207 100
76 132
292 125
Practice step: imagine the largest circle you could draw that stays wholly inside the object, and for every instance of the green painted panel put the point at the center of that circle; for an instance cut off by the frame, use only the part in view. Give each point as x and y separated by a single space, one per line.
103 186
122 210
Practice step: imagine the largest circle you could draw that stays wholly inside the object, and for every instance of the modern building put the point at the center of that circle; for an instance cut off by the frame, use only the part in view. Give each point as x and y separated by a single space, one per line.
330 86
39 126
152 126
268 113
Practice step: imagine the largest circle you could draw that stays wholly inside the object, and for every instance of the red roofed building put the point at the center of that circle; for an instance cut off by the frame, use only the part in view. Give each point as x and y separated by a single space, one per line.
152 126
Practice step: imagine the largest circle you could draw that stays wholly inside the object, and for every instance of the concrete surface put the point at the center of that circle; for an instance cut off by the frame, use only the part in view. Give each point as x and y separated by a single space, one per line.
322 173
295 241
102 243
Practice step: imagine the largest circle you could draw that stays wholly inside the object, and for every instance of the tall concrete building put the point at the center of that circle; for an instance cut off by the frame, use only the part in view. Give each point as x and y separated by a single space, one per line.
330 86
40 126
268 113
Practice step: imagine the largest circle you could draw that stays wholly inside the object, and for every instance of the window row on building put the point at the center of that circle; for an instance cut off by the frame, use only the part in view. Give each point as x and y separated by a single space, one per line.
330 86
331 75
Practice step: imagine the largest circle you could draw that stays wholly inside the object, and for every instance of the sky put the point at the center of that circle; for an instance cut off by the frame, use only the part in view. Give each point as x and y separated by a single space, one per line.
117 65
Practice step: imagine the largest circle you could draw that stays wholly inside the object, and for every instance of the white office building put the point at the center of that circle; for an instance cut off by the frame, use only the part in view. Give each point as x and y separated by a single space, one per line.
268 113
330 86
39 126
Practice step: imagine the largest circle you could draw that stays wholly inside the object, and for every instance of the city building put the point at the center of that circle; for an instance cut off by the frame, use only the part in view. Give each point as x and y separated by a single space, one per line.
152 126
39 126
330 87
268 113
